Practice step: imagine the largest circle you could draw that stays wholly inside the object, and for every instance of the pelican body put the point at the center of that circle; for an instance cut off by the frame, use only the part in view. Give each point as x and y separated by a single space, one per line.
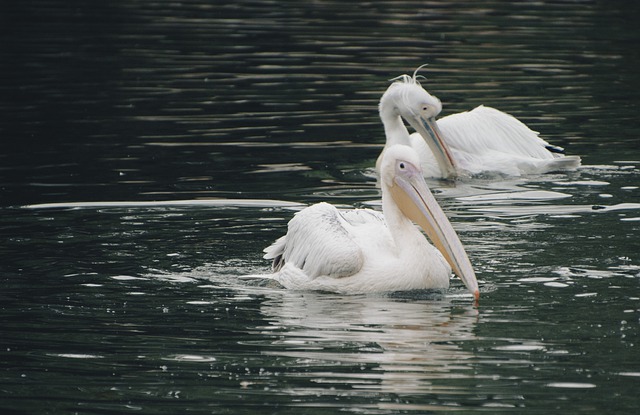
362 250
484 140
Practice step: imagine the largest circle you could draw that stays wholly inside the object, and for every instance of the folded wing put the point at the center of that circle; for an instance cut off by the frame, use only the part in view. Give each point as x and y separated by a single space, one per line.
319 241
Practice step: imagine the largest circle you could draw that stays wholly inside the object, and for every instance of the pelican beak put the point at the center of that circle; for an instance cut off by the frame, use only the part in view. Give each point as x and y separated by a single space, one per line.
428 129
416 201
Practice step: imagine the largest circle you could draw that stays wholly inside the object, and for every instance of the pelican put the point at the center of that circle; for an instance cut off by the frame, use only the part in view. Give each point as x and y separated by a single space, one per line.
362 250
483 140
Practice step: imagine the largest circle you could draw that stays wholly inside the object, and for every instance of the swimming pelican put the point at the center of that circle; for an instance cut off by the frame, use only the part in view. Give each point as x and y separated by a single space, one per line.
468 143
362 250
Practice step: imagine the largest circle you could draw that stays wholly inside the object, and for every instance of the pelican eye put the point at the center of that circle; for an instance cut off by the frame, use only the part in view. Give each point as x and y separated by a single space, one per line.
402 165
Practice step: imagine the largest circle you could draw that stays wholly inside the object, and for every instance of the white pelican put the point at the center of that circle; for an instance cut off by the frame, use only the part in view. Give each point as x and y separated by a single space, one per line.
362 250
467 143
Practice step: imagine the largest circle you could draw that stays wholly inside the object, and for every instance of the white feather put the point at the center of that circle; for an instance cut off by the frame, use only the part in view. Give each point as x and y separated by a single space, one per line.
488 140
305 245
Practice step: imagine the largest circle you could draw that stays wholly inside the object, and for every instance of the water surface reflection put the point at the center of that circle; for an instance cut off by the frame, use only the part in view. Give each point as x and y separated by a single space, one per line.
382 345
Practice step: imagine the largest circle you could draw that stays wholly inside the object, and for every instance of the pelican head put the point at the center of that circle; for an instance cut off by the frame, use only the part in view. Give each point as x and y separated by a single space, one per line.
402 178
406 98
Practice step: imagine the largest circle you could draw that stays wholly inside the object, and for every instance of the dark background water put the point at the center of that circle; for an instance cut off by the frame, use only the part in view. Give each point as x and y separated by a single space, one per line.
151 150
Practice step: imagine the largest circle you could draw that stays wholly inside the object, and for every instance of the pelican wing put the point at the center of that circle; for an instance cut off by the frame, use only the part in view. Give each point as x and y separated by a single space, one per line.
320 241
488 129
486 139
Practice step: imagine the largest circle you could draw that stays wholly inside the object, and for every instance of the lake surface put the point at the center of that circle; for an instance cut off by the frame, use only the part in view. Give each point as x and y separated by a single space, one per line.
151 150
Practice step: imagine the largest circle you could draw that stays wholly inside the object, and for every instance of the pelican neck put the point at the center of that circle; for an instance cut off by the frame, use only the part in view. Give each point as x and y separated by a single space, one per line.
400 227
394 128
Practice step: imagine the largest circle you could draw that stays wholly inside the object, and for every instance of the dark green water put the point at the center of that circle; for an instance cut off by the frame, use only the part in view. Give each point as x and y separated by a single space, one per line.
151 150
